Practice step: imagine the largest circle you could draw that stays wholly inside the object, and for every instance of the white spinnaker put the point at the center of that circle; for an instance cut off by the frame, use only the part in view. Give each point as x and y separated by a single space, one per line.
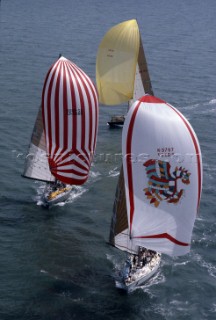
151 127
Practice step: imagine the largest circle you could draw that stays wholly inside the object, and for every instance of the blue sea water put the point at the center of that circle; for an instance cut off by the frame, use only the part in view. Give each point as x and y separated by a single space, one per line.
55 264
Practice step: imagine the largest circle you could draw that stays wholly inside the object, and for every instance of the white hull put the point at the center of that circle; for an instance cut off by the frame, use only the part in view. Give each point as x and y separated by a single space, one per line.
59 197
139 275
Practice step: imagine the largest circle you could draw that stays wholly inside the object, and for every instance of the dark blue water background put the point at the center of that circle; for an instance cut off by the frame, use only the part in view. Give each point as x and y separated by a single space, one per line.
55 264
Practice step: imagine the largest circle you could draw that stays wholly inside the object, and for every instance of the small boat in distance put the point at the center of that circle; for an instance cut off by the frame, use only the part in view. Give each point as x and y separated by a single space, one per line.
64 136
162 168
121 68
116 121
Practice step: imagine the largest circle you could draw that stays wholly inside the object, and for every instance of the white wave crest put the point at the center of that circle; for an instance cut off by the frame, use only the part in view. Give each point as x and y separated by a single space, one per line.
93 177
114 173
207 265
181 263
213 101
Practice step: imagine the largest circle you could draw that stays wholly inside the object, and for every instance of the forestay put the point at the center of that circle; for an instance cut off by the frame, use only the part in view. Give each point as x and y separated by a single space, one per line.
70 114
163 178
142 82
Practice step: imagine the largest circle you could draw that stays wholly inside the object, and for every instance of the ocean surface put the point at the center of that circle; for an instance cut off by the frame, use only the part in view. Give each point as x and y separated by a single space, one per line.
56 264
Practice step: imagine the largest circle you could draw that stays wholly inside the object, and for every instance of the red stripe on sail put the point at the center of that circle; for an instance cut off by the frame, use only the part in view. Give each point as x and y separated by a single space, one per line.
82 75
150 171
165 236
196 146
93 91
55 110
63 111
71 171
83 129
74 119
69 154
82 106
65 108
81 157
72 162
159 179
90 120
70 180
129 163
151 99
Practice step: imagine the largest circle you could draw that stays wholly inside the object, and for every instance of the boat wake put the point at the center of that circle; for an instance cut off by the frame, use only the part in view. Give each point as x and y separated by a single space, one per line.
158 278
76 192
117 263
40 187
93 177
181 263
206 265
209 107
190 107
47 273
114 173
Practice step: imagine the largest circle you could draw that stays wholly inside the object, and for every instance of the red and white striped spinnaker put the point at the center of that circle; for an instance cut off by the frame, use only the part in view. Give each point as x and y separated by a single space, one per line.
163 178
70 116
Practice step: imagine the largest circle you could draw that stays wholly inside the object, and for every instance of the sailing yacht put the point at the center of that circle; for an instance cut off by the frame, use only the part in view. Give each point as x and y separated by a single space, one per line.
162 169
64 136
122 76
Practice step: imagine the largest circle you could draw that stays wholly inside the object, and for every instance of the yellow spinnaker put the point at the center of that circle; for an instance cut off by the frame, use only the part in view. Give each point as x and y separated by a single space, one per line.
116 63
